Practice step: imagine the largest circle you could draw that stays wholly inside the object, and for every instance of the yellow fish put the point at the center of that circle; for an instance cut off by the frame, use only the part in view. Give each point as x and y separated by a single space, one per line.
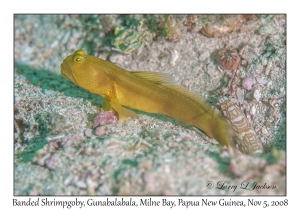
147 91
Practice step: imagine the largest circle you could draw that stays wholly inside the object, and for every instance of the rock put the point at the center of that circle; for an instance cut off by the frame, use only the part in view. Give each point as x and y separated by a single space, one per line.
100 131
256 95
248 83
88 132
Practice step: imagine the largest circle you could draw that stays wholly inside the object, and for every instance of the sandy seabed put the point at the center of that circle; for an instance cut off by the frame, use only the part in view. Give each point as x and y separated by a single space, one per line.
57 152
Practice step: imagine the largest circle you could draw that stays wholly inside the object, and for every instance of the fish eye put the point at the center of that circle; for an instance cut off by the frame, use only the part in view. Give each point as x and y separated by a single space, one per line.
78 58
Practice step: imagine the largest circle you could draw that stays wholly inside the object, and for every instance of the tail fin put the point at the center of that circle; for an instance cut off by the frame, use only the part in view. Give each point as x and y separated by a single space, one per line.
221 130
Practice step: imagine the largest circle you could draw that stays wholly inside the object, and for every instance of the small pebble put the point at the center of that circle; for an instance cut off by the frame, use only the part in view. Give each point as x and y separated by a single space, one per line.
91 186
256 95
147 165
50 163
70 141
240 95
175 56
269 84
41 160
100 131
268 68
247 83
103 118
204 55
253 110
264 61
55 137
88 132
68 180
239 165
274 103
264 130
81 184
262 80
211 69
122 133
95 174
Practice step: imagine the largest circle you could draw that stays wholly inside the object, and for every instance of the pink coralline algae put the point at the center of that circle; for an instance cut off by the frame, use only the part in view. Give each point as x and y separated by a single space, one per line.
103 118
247 83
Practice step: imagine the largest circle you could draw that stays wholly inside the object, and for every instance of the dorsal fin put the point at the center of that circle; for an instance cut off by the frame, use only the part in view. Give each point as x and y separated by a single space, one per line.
191 95
155 77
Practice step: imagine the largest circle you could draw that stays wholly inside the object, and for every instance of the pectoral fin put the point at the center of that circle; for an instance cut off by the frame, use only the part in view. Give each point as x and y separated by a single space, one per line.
123 114
106 105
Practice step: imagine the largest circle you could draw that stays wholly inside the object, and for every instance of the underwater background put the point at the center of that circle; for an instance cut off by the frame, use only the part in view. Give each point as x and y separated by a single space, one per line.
59 152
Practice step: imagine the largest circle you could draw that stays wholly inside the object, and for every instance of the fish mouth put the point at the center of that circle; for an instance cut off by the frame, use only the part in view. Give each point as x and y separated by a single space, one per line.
66 71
